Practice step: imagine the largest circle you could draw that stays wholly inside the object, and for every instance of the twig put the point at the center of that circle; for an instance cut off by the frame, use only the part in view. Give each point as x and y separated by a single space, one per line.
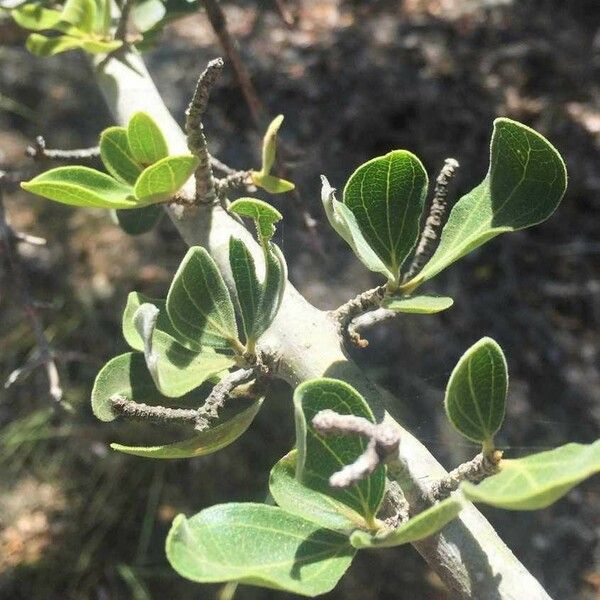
215 163
237 179
121 31
44 355
384 440
38 151
358 305
435 220
205 185
366 320
218 21
482 466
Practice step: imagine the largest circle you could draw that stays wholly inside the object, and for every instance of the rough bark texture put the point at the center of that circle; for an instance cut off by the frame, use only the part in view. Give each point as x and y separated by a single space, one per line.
304 343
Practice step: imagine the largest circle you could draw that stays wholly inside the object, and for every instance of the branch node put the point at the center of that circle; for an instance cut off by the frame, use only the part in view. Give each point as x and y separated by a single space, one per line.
361 303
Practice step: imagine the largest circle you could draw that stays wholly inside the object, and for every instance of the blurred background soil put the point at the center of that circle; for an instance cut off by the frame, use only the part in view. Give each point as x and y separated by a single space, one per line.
355 80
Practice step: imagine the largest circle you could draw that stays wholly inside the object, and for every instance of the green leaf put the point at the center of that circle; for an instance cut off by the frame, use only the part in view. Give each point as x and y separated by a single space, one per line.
421 526
148 13
103 17
422 305
538 480
270 183
199 304
269 148
117 157
164 178
126 375
174 369
40 45
525 183
475 399
258 545
146 141
203 443
81 186
344 223
273 288
263 214
92 46
387 197
80 13
140 220
37 18
247 286
317 507
320 457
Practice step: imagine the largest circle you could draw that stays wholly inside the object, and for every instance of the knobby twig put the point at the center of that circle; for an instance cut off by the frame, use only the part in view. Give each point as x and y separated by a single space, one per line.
205 185
123 25
38 151
200 418
384 440
237 179
358 305
218 22
366 320
435 220
482 466
44 355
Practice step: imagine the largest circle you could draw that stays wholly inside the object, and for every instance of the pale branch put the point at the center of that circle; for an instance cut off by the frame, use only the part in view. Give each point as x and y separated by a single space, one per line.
435 220
303 343
480 467
361 303
218 22
205 185
44 355
38 150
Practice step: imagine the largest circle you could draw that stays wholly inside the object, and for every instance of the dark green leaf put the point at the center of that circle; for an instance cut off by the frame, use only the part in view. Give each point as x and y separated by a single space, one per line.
475 399
422 305
81 186
140 220
164 178
263 214
320 457
199 304
387 197
258 545
146 141
273 288
538 480
116 156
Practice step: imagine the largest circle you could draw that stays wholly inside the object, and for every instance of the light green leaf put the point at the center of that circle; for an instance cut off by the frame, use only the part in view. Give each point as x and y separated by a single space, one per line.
269 148
92 46
538 480
387 197
117 157
270 183
37 18
525 183
148 13
126 375
421 526
164 178
263 214
273 288
203 443
174 369
103 17
80 13
146 141
344 223
258 545
81 186
199 304
40 45
475 400
320 457
422 305
140 220
247 286
317 507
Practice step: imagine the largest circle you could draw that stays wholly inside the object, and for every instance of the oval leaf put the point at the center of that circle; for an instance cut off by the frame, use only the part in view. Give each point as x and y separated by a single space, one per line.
421 305
164 178
198 302
475 399
37 18
525 183
264 215
40 45
320 457
538 480
269 148
419 527
298 499
270 183
273 288
127 375
116 156
387 197
203 443
140 220
146 141
258 545
80 13
81 186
